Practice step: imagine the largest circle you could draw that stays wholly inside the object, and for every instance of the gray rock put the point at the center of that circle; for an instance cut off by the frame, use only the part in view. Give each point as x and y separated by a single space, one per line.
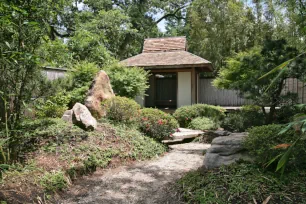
68 116
219 133
225 151
208 136
83 118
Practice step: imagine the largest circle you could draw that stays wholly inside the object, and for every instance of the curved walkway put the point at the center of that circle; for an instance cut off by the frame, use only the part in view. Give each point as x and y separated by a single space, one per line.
145 182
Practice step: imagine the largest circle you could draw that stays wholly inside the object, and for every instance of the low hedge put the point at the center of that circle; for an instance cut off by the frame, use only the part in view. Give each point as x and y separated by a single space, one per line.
185 114
121 110
240 120
202 123
156 123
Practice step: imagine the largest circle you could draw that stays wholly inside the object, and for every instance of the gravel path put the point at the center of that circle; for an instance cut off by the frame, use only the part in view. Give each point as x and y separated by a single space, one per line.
145 182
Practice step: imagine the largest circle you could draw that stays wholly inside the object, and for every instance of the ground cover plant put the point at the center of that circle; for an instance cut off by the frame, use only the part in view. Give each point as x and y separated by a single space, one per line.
242 183
156 123
186 114
64 152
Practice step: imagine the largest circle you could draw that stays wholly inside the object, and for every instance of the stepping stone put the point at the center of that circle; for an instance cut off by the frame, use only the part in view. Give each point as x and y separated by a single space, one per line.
185 133
172 141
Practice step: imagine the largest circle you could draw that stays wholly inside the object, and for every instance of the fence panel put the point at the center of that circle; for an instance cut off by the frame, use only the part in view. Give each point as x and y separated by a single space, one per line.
210 95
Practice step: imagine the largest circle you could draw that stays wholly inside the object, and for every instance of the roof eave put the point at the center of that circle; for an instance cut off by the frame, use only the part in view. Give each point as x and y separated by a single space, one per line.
207 66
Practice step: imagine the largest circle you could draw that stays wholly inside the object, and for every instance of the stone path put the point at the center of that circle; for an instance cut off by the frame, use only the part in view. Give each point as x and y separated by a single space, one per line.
145 182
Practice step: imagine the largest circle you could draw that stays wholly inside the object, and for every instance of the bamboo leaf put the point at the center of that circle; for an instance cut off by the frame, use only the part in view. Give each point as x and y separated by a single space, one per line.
285 158
7 44
303 128
279 67
285 129
273 160
276 78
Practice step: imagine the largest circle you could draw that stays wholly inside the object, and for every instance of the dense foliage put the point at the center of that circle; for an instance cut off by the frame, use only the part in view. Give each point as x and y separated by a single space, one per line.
264 144
128 82
186 114
121 110
53 107
157 124
241 120
243 71
202 123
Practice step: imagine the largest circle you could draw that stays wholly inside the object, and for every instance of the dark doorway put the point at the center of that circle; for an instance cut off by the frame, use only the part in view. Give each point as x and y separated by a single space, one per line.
163 91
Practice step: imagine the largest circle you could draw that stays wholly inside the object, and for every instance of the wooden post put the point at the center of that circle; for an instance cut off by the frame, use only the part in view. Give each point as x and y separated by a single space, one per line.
193 86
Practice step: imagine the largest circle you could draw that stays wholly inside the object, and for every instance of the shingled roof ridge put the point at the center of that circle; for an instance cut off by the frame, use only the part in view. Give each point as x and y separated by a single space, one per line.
167 37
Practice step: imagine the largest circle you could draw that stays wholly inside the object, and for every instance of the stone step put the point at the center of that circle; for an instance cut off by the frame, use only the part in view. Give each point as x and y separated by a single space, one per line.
184 133
172 141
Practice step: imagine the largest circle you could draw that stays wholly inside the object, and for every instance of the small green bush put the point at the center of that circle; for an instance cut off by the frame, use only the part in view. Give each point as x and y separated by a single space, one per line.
53 107
121 110
240 120
202 123
156 123
127 81
54 181
264 143
185 114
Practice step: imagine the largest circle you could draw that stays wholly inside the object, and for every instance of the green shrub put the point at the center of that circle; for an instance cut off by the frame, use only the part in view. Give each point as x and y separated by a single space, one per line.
54 106
234 122
127 81
202 123
53 181
264 143
286 113
185 114
240 120
121 110
156 123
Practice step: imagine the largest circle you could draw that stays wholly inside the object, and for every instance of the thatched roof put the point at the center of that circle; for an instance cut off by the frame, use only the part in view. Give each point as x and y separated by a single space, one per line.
166 53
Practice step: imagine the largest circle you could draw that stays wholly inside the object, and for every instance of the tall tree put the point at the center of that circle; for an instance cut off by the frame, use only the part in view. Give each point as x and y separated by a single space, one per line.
217 29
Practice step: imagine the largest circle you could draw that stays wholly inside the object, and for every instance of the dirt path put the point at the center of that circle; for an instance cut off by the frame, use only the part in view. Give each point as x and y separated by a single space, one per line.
145 182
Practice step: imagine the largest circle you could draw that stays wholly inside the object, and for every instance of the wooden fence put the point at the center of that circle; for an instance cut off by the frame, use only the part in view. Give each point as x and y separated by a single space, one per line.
54 73
210 95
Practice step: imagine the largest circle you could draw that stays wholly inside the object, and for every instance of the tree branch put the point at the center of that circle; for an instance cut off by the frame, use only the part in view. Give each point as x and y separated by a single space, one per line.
171 15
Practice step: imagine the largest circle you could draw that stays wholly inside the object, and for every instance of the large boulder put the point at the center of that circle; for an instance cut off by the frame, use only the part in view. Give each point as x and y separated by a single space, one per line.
99 90
226 150
208 136
80 116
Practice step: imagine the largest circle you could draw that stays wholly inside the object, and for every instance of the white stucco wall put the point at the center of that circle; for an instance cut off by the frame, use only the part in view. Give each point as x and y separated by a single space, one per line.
184 89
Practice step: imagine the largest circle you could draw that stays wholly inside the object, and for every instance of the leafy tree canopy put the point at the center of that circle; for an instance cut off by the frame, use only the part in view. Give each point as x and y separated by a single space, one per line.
242 73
